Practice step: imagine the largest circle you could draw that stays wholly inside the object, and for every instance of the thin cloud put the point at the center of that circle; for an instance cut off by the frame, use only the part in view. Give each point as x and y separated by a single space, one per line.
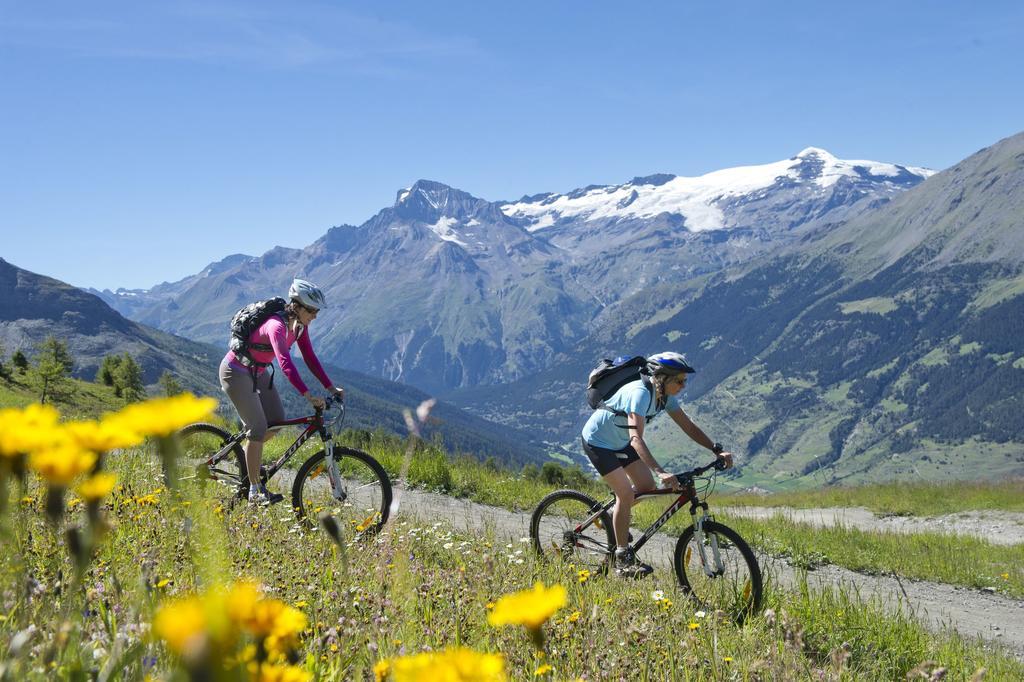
235 33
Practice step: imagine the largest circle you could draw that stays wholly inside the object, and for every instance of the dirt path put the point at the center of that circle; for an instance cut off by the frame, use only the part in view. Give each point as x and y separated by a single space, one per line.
998 527
937 605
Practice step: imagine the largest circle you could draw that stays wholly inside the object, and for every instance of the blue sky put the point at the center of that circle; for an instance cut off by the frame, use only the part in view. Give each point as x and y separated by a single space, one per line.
140 141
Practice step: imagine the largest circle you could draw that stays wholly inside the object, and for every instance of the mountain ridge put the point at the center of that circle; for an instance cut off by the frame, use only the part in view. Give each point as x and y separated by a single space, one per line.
486 297
34 306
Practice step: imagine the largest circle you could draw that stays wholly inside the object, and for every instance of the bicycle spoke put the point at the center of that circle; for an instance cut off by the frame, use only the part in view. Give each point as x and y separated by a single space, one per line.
360 505
731 585
198 443
560 530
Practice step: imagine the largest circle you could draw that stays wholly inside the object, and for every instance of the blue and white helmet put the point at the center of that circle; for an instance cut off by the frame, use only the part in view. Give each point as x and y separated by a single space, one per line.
307 293
668 364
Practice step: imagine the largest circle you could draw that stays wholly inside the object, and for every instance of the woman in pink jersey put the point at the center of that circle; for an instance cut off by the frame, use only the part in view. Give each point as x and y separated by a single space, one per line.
251 389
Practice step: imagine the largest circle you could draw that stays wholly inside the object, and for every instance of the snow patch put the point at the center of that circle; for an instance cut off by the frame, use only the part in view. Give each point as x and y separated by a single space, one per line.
694 198
443 229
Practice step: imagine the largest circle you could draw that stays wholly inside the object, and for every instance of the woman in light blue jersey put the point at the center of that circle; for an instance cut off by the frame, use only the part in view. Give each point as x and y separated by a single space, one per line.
613 439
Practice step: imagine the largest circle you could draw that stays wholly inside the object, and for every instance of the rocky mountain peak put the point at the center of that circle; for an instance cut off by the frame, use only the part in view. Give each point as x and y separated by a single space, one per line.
429 202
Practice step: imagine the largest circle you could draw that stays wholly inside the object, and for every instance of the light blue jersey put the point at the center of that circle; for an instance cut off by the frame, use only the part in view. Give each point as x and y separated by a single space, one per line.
607 430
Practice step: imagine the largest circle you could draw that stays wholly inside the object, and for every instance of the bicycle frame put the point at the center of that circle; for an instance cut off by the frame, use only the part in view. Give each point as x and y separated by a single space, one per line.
688 495
314 426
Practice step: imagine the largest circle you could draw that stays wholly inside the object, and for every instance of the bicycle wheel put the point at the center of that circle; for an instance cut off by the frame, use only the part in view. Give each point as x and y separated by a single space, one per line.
555 528
733 585
201 441
365 492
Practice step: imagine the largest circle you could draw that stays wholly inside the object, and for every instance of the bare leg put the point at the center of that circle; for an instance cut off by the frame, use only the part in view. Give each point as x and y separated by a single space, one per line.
254 457
620 484
642 477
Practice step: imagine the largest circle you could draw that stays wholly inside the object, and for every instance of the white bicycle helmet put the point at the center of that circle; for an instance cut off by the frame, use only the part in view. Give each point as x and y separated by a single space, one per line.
669 364
307 293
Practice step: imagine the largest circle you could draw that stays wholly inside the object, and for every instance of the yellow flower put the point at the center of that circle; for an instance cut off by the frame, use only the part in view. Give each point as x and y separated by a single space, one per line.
381 669
282 673
584 575
693 625
288 625
573 617
271 619
198 624
164 583
101 436
542 669
161 416
148 499
450 665
241 601
182 624
61 464
727 659
1004 576
28 430
97 487
531 608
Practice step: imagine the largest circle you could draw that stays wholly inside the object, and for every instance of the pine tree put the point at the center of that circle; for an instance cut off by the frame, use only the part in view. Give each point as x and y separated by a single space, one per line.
128 379
52 369
19 361
105 374
169 384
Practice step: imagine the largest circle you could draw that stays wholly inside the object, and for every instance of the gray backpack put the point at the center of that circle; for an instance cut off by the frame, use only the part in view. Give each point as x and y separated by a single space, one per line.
245 322
611 375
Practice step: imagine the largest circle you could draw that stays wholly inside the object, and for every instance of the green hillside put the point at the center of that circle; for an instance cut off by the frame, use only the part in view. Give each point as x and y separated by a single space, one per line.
888 347
35 307
81 400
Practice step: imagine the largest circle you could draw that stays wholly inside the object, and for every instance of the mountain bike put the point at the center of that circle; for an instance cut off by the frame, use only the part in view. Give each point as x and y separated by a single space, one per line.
714 565
348 483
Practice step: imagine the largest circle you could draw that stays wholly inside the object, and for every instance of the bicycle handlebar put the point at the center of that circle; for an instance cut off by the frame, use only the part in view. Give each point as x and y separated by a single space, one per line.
718 464
329 401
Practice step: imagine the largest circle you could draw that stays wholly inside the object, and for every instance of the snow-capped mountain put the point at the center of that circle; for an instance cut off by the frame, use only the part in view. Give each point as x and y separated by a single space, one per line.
706 202
443 289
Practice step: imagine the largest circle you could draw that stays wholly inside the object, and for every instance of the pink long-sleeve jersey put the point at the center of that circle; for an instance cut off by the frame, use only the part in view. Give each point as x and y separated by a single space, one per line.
277 334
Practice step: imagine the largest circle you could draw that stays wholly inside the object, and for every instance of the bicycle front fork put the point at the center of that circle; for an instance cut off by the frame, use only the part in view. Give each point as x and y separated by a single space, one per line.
337 489
715 567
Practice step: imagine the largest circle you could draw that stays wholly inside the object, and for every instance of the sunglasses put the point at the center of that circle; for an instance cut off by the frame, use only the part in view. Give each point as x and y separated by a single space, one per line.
311 311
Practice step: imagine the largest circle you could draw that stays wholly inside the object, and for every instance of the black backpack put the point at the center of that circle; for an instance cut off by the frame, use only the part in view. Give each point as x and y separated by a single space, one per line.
245 322
611 375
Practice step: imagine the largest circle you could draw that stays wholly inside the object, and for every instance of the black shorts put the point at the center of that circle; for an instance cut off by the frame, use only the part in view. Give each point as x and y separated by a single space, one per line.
607 461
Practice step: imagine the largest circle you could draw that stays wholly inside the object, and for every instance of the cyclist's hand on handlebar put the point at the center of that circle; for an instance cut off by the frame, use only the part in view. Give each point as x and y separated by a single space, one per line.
724 461
316 401
669 481
339 392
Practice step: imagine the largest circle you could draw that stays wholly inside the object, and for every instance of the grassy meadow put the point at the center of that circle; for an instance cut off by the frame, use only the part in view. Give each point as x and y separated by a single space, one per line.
900 499
417 587
135 581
